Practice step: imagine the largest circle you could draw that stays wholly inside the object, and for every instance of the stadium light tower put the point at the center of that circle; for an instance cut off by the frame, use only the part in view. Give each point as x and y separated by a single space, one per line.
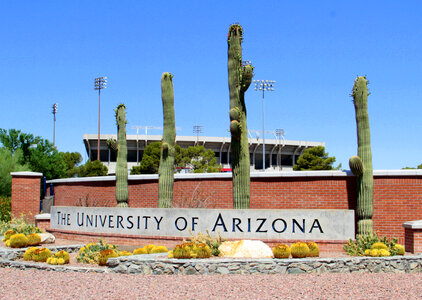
54 111
263 85
197 129
100 83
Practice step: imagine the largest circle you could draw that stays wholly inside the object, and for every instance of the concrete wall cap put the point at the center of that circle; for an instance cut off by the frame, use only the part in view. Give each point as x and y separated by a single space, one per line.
43 217
413 224
330 173
26 174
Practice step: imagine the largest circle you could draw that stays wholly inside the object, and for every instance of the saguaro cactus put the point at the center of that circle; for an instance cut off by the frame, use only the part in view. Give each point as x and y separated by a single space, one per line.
166 169
240 77
361 165
122 193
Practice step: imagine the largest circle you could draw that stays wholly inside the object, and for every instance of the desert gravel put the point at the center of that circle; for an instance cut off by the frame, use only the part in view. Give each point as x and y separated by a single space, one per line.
34 284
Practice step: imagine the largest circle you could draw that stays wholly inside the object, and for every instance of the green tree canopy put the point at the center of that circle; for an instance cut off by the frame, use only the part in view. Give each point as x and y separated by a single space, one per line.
418 167
72 160
315 158
9 162
39 154
92 168
198 158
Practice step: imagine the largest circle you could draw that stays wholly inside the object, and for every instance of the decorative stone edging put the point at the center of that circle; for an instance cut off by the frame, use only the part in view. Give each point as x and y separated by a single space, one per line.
8 257
157 264
143 264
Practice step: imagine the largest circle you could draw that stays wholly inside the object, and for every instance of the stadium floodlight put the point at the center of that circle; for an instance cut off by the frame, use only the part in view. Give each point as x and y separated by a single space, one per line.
263 85
100 83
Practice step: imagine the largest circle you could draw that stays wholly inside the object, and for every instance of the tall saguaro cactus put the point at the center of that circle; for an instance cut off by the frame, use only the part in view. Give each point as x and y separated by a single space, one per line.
361 165
166 170
240 77
122 193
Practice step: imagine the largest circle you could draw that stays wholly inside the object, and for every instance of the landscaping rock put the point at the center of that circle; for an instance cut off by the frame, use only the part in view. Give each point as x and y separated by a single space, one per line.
246 249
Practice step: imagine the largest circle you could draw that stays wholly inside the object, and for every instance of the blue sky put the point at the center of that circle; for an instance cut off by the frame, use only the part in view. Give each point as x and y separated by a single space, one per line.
51 51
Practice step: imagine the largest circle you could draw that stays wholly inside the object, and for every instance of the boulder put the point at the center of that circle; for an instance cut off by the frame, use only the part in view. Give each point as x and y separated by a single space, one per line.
245 249
47 238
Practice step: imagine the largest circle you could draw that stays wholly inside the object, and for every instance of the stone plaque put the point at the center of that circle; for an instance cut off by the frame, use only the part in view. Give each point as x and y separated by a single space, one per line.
300 224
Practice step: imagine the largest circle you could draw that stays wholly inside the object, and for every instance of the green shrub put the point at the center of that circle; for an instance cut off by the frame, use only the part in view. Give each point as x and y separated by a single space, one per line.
90 253
299 250
212 242
5 208
365 242
19 225
18 240
281 251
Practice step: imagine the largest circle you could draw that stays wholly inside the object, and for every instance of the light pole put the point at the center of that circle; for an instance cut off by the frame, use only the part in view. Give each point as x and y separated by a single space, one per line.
100 83
54 126
197 129
263 85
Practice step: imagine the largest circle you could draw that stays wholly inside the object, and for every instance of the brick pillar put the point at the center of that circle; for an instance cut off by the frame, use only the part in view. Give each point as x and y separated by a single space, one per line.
413 236
26 188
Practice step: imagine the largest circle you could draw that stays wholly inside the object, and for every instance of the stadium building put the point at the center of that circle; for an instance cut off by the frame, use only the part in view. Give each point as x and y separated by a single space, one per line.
280 154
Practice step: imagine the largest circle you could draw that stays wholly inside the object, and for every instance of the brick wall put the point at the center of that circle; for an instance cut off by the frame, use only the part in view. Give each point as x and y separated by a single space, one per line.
26 188
397 195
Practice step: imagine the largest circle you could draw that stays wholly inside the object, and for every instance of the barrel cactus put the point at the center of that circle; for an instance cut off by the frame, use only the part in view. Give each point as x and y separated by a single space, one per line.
122 193
240 77
299 250
62 255
105 255
399 249
168 150
281 251
18 241
140 251
362 167
28 253
34 239
202 250
8 234
182 251
313 249
41 254
159 249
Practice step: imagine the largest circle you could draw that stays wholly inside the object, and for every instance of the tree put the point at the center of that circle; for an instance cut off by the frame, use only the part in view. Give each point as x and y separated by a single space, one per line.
45 158
9 162
315 158
92 168
411 168
39 154
72 160
199 159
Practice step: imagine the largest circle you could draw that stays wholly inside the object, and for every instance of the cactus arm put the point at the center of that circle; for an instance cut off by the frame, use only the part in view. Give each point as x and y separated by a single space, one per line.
166 169
122 193
112 144
240 78
365 182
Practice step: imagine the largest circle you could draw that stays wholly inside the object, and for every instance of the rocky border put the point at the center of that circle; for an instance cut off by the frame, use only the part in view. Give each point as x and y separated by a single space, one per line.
158 264
141 264
8 258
